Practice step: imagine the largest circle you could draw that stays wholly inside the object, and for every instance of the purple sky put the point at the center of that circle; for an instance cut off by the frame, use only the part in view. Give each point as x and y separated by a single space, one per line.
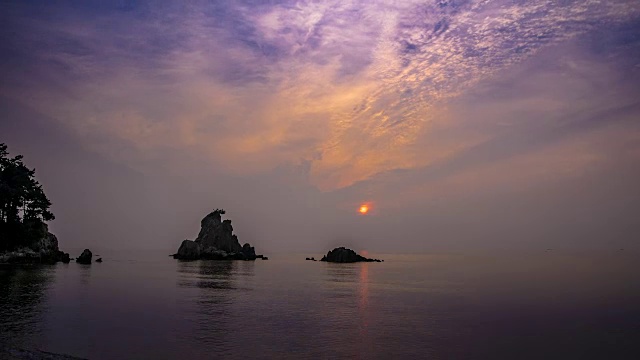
464 123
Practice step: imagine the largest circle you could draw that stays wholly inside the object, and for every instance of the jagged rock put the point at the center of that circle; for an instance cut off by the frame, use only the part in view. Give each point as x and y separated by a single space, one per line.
55 256
99 260
344 255
249 252
189 250
48 244
85 257
49 250
64 257
218 234
215 241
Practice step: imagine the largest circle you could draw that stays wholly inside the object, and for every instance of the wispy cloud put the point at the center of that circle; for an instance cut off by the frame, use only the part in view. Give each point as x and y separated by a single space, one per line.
353 88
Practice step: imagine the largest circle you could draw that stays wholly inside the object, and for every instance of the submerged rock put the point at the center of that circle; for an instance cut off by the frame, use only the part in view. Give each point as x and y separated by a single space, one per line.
215 241
344 255
85 257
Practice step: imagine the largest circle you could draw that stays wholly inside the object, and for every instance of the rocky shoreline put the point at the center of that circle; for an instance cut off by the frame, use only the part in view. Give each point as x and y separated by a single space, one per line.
45 251
216 241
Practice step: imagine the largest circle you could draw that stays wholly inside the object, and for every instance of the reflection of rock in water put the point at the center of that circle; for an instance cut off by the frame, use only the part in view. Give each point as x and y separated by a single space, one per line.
206 274
85 274
216 285
342 273
22 299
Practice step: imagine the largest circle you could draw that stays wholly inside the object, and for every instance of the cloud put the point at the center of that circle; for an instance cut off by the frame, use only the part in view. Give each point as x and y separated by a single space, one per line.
352 88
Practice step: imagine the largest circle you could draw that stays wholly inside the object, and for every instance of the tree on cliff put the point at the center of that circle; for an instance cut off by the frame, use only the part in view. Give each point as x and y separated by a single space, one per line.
23 205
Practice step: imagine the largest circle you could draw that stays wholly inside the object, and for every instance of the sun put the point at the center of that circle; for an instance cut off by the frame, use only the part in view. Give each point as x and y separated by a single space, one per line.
364 209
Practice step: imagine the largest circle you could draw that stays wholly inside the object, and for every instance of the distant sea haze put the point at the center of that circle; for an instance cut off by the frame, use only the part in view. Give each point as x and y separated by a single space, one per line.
540 305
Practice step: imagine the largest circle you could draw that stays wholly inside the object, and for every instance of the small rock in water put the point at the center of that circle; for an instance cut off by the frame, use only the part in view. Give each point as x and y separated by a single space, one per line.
85 257
344 255
99 260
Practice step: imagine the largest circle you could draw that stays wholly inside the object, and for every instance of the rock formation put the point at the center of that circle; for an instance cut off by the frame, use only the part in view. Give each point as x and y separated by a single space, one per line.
44 251
189 250
344 255
218 234
249 251
85 257
215 241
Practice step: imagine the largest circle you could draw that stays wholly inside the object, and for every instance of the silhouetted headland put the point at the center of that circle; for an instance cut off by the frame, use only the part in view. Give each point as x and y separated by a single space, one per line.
344 255
24 211
44 249
216 241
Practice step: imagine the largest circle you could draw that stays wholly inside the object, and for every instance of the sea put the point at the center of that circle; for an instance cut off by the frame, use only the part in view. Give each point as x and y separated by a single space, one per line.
546 304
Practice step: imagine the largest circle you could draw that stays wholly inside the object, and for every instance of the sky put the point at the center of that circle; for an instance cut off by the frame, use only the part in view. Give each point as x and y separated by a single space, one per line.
462 124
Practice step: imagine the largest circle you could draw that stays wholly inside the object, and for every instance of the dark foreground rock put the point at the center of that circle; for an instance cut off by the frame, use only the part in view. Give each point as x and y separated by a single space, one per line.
85 257
215 241
22 354
44 251
344 255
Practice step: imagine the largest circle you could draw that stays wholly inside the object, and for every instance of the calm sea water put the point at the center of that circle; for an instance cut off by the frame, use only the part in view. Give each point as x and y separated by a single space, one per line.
545 305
